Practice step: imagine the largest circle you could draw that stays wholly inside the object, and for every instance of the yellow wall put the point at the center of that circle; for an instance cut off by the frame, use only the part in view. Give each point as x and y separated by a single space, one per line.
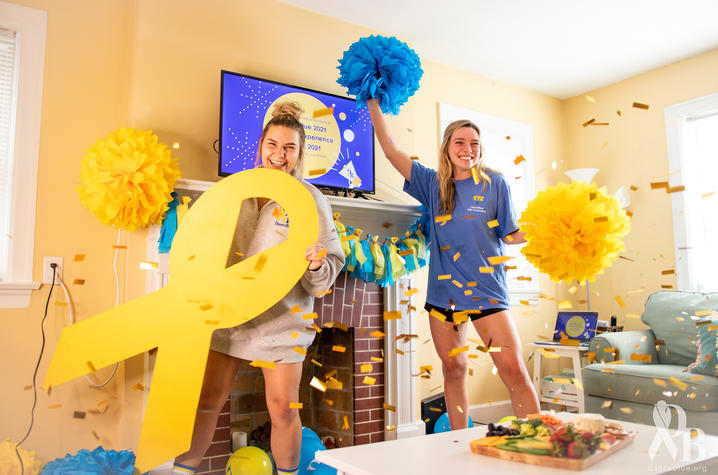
631 150
155 64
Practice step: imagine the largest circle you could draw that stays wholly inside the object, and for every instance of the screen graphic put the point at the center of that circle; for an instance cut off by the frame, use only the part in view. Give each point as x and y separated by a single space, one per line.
339 146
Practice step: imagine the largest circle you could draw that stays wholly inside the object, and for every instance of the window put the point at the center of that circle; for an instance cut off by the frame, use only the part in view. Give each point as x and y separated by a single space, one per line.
500 154
692 139
22 57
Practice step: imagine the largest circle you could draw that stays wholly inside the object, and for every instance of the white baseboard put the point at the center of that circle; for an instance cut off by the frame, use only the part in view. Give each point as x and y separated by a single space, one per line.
490 412
404 431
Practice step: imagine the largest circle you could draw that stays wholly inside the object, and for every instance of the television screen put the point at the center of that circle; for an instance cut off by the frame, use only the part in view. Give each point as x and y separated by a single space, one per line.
339 146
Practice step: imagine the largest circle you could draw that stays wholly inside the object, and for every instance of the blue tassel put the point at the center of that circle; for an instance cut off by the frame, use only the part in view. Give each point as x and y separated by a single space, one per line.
169 226
100 462
367 269
380 67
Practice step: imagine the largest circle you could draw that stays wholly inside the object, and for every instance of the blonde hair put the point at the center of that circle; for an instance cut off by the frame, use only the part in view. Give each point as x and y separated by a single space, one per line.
445 175
286 114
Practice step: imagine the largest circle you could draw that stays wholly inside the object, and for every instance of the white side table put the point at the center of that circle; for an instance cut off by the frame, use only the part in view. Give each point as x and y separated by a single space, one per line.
565 399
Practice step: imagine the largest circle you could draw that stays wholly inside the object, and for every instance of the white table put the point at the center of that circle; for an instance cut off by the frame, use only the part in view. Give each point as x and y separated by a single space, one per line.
573 352
448 453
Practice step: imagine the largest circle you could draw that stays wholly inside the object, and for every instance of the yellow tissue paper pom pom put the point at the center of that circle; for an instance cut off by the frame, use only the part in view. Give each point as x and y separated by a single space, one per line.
9 464
127 178
573 231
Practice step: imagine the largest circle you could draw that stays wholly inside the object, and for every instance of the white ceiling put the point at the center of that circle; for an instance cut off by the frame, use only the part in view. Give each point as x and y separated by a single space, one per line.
562 48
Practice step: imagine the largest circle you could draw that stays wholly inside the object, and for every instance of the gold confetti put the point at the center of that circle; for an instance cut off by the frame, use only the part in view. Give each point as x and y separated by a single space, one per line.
678 383
323 112
493 223
295 405
456 256
345 426
668 272
443 218
399 352
310 316
393 315
263 364
366 368
708 194
339 348
632 315
565 304
675 189
205 306
260 263
316 363
316 384
606 404
389 407
496 260
377 359
411 292
523 278
659 382
638 105
620 301
368 380
211 322
458 350
300 350
640 357
444 277
519 159
589 122
316 328
377 334
626 410
701 313
486 270
325 292
659 184
119 247
61 304
91 366
54 406
79 257
79 281
445 248
138 387
438 315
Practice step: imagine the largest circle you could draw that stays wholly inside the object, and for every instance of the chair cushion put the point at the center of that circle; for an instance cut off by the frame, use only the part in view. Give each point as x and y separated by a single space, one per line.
649 384
669 313
707 359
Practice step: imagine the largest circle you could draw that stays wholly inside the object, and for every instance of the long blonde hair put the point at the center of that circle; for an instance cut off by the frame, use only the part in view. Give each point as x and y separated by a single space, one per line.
286 114
445 175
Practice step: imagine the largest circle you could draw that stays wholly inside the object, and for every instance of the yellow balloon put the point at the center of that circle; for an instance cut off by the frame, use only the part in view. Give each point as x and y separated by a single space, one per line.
507 419
249 461
201 296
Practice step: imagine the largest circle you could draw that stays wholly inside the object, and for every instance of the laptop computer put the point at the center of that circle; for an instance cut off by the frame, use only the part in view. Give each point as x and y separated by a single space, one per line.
575 326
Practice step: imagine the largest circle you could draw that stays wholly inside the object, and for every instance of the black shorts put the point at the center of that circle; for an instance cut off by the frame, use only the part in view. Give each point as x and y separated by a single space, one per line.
485 312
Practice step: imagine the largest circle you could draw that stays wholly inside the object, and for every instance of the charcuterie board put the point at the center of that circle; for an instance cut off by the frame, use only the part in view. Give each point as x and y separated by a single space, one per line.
553 462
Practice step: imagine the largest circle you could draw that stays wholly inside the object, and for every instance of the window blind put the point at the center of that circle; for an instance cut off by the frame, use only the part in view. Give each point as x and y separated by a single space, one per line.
8 94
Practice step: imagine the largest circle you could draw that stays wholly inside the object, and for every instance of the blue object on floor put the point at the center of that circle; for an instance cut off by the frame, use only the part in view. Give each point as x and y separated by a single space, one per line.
442 423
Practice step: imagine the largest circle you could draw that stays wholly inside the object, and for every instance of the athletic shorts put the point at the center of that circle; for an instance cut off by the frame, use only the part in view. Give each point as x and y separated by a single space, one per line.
449 314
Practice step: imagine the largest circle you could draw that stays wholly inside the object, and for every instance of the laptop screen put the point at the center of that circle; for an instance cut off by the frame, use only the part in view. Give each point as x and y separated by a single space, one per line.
576 325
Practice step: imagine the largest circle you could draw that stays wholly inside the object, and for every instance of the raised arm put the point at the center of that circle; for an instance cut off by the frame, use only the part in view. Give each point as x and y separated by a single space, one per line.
399 159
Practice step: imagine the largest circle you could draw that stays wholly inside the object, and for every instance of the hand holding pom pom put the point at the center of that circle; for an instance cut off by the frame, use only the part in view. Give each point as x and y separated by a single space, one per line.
573 231
383 68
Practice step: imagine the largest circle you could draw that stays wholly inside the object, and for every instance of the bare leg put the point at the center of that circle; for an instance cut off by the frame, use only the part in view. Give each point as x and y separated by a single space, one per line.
499 328
446 337
218 378
281 388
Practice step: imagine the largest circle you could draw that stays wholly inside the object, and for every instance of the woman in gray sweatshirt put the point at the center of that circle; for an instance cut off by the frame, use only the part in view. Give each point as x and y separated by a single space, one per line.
273 335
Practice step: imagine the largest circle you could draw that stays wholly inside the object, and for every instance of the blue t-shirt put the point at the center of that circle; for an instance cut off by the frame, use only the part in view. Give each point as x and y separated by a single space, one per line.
468 233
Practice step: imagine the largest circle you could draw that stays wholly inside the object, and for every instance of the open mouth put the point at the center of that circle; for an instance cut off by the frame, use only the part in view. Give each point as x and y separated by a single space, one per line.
279 164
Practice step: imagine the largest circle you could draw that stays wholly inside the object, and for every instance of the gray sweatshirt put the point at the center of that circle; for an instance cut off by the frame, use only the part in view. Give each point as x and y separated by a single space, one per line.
268 337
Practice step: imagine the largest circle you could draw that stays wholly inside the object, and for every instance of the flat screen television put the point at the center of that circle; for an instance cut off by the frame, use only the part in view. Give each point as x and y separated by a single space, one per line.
339 145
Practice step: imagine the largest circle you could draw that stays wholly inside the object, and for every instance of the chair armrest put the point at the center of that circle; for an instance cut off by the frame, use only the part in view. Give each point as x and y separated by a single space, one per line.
621 345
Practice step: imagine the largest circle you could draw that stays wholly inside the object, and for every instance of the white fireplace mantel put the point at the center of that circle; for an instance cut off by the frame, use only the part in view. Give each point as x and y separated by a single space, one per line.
373 217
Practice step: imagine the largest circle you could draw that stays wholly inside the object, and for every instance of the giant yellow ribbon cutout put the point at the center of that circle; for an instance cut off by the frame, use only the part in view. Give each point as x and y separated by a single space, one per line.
201 296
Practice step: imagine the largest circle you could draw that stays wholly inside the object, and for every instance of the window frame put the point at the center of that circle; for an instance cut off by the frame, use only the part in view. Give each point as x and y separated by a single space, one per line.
523 134
30 26
677 116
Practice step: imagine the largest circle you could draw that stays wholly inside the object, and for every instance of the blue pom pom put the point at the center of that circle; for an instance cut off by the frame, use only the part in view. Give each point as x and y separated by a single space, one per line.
98 462
382 68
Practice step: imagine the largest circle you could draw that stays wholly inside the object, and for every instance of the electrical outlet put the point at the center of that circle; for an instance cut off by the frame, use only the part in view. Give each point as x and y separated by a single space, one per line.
47 270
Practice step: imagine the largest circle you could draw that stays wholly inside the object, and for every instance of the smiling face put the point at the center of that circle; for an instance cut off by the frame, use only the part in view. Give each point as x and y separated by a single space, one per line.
280 148
464 151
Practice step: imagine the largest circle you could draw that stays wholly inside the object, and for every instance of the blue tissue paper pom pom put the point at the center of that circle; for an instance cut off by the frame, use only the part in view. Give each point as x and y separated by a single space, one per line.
98 462
380 67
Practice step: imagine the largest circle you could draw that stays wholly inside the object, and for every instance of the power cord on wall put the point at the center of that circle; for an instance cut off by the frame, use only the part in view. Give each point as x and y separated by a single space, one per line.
34 375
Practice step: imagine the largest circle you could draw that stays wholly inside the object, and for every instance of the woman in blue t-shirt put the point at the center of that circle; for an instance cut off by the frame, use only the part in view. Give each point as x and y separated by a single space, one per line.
471 218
